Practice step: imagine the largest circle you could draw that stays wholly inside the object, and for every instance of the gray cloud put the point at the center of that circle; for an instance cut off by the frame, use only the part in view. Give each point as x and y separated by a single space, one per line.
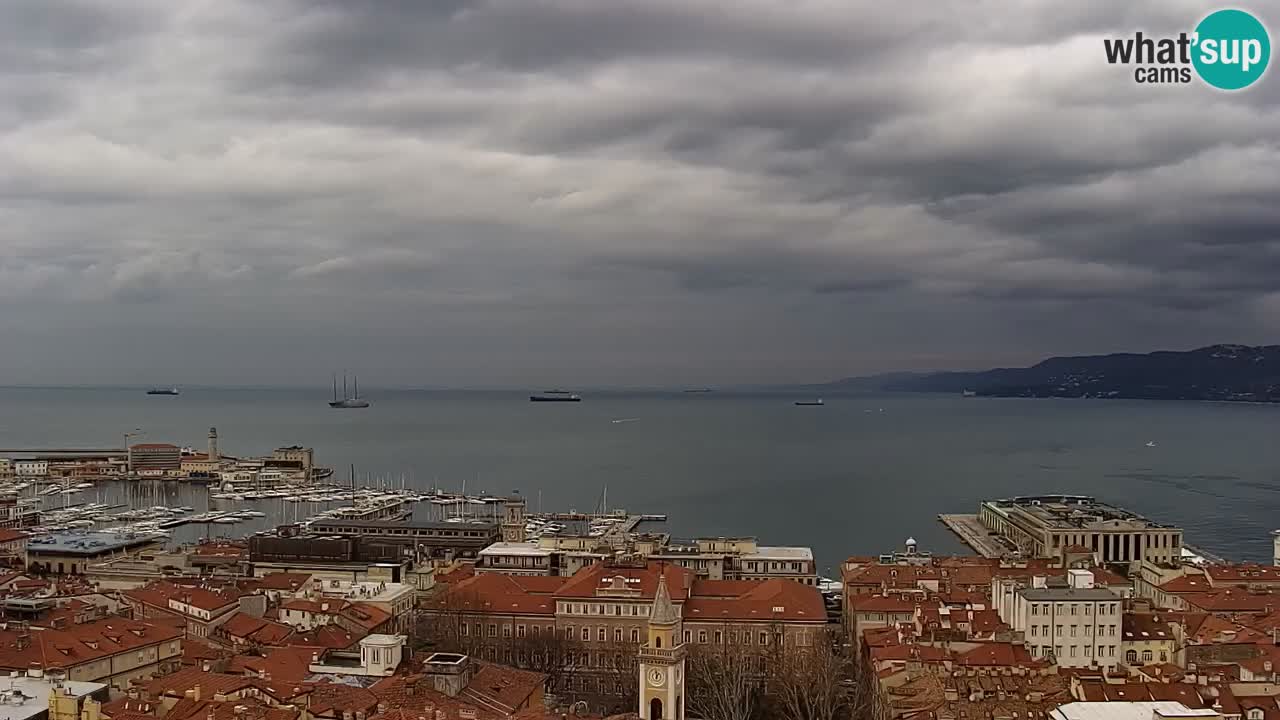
531 191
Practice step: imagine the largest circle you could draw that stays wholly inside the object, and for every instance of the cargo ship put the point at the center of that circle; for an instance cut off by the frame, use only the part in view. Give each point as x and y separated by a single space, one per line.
555 396
163 391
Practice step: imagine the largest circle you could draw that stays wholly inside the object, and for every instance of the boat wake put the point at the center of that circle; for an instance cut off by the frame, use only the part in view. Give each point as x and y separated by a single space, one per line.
623 420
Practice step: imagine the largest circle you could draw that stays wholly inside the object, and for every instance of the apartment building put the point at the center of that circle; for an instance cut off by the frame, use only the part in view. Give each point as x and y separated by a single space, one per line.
1075 625
90 647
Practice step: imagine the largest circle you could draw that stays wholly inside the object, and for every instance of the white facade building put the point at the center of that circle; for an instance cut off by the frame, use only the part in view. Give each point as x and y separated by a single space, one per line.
1077 625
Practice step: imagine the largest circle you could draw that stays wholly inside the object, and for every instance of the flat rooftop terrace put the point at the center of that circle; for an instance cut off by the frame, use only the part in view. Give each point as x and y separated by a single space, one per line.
87 543
1074 512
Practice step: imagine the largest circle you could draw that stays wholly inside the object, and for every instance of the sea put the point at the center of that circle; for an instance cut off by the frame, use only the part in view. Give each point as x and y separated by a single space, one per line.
855 476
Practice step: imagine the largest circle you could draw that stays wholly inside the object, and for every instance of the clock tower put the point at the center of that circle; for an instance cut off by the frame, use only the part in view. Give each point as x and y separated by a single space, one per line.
662 659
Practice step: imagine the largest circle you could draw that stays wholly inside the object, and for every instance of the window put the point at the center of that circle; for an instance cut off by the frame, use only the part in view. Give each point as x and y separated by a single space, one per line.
1164 656
568 633
1088 651
719 637
1088 609
1033 631
1072 651
1146 656
702 636
1254 714
687 636
1057 630
534 630
493 630
602 634
520 631
1073 631
635 634
1035 609
463 629
586 634
764 638
1073 608
506 631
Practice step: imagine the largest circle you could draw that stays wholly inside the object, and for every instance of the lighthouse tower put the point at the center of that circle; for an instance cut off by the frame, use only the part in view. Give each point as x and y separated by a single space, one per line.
213 445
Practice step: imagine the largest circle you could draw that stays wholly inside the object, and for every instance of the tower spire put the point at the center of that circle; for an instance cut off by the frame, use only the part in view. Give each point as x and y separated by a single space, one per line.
664 612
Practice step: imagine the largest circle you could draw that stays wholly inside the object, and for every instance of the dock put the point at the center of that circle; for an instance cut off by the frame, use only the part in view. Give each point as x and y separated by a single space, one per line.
974 534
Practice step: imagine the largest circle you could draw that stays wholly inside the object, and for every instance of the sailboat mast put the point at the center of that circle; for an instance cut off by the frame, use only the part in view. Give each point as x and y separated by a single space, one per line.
344 386
335 387
355 379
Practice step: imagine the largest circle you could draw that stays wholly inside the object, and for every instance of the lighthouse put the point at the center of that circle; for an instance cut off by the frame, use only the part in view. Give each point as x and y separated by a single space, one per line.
213 445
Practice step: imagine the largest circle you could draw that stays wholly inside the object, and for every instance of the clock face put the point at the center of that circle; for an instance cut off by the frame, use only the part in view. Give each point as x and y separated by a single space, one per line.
657 677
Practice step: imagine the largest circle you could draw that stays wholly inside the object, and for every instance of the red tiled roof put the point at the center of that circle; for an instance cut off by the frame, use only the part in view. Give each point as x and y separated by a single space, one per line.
315 607
1187 584
75 644
767 600
325 636
283 581
600 576
1233 601
996 654
882 603
335 698
242 625
493 692
288 664
369 617
10 534
923 653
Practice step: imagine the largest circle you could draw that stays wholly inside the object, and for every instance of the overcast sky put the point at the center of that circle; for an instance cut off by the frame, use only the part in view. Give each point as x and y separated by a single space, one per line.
585 192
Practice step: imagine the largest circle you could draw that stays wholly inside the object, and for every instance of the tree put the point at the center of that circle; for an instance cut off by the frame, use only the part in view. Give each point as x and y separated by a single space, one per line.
723 680
442 625
550 653
620 674
816 682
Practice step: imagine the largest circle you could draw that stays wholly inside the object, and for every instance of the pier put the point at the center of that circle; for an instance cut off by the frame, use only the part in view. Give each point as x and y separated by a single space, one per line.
974 534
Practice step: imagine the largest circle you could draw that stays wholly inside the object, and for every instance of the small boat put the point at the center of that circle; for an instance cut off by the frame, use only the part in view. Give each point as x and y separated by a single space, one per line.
817 401
968 393
1151 443
163 391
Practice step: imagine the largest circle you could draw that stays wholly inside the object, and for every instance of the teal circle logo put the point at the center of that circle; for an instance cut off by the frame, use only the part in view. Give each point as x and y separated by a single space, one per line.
1232 49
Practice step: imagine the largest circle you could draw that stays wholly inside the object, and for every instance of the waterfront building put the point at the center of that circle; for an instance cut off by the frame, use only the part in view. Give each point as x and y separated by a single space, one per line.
1075 625
358 559
30 467
6 469
305 456
1145 710
517 558
434 539
741 558
15 513
155 459
70 552
1049 526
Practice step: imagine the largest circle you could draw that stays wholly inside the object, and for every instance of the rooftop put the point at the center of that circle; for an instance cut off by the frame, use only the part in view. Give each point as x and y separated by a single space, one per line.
365 591
1068 593
28 697
780 552
512 548
1073 512
1126 711
72 542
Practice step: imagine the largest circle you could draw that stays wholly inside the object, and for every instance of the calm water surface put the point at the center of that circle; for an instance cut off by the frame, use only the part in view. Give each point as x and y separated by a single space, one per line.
856 476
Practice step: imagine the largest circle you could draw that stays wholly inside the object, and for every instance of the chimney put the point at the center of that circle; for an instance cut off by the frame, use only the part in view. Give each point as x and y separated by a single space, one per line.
204 666
348 715
195 693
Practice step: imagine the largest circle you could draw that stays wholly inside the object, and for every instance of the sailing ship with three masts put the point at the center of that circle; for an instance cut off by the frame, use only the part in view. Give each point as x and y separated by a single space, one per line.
348 401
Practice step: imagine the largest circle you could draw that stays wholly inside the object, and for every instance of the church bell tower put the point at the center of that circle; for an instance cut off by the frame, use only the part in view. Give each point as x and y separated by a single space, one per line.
662 660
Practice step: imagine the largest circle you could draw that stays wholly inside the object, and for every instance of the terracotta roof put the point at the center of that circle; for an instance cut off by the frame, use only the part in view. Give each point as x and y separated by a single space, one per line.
332 699
1244 573
326 636
177 684
369 617
882 603
494 592
996 654
288 664
157 594
1233 601
908 651
283 581
493 692
600 576
242 625
10 534
315 607
76 644
768 600
1187 584
1146 626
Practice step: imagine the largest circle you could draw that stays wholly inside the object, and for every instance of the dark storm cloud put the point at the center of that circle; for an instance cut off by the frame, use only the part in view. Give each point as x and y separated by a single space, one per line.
529 190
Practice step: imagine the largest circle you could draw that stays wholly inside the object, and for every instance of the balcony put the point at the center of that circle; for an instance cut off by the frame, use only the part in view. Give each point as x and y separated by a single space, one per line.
661 654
